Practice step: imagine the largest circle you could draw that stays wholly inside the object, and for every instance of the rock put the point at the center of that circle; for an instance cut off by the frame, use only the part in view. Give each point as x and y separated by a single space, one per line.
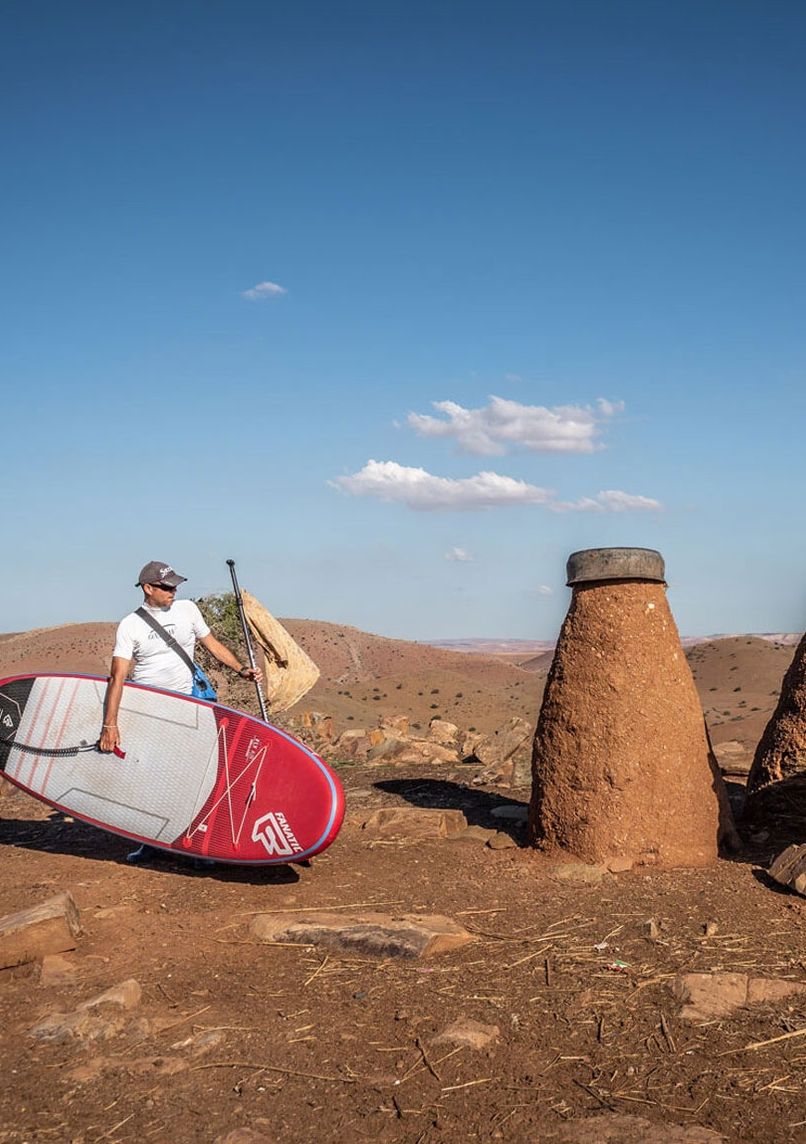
618 1128
441 731
379 935
515 811
469 1034
416 822
619 865
352 744
780 755
201 1043
496 749
650 928
468 743
475 833
789 868
709 995
579 873
502 841
397 724
710 928
423 752
388 748
733 758
88 1022
244 1136
53 926
57 970
321 725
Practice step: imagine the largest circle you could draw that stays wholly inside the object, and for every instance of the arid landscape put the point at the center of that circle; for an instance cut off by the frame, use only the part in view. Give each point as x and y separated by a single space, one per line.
566 1015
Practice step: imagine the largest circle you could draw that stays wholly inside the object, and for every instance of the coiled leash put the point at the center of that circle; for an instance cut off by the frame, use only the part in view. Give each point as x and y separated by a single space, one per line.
59 752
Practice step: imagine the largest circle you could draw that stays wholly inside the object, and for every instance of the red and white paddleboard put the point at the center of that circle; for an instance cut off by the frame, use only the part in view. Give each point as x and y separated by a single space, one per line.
198 779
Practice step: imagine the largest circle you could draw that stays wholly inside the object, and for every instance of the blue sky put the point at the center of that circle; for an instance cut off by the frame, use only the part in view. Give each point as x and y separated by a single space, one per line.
399 304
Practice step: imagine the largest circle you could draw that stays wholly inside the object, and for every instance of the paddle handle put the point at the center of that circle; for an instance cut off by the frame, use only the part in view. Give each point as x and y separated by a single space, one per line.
247 639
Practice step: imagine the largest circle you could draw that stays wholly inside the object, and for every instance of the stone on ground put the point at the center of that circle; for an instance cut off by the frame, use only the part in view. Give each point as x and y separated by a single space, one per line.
52 926
245 1136
378 935
91 1021
416 822
57 970
469 1034
789 868
501 841
580 873
709 995
618 1128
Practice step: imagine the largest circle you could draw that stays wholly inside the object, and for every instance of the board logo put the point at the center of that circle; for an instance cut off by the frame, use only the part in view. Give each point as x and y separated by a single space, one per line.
276 835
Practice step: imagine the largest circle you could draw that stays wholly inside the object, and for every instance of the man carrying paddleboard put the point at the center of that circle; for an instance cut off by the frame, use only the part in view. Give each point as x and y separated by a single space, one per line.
141 649
156 644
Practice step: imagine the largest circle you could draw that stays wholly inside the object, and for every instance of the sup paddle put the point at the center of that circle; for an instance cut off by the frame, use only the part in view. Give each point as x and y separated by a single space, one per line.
247 639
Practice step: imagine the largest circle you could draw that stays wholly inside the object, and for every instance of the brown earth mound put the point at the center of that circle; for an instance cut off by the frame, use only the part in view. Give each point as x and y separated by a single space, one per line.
622 768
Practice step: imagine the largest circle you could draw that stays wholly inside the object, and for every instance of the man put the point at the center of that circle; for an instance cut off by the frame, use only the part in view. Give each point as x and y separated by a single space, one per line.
143 652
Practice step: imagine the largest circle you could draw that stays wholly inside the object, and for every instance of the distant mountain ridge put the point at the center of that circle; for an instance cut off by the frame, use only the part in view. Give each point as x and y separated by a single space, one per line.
538 647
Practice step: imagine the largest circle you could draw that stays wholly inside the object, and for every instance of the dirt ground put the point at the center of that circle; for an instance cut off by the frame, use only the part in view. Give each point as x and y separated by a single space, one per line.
299 1044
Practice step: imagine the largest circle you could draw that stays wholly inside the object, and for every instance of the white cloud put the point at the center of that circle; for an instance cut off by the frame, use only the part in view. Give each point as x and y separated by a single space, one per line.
544 590
503 425
459 555
420 490
610 500
263 290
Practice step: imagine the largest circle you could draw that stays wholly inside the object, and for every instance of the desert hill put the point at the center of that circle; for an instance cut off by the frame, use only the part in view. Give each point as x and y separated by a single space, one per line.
365 676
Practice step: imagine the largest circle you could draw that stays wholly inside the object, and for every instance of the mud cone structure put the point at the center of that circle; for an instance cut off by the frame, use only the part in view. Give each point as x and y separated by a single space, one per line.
622 768
777 780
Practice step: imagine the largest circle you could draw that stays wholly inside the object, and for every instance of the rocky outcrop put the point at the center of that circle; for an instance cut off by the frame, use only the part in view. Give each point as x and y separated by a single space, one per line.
777 780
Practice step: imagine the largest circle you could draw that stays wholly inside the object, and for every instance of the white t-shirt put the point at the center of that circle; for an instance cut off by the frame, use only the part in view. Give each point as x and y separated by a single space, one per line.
154 662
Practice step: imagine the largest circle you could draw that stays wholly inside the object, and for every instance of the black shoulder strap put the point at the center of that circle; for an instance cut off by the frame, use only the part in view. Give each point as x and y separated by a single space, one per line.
169 639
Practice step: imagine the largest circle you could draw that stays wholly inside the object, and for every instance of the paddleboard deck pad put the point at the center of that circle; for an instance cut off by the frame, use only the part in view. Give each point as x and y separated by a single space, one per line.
198 779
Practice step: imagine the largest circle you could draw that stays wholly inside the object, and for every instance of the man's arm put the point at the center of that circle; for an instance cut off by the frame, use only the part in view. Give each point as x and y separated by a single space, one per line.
110 735
225 657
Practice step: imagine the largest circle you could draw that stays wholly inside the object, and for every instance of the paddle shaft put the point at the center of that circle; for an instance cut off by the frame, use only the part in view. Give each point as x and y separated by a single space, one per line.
247 639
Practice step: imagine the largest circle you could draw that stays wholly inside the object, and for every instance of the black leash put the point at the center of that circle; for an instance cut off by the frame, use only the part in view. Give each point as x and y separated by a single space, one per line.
57 752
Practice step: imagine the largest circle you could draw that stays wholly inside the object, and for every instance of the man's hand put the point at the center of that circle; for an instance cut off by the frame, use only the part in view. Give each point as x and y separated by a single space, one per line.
110 738
253 673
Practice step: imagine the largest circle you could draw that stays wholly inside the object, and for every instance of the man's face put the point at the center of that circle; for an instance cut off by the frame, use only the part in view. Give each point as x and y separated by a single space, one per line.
159 595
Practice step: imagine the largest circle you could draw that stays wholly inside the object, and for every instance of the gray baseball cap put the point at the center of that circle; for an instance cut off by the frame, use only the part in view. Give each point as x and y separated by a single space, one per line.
158 572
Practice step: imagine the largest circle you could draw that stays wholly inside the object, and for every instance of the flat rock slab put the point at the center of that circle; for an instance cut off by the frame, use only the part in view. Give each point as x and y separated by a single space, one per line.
789 869
501 841
709 995
52 926
378 935
517 812
57 970
579 873
90 1021
469 1034
615 1128
415 822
